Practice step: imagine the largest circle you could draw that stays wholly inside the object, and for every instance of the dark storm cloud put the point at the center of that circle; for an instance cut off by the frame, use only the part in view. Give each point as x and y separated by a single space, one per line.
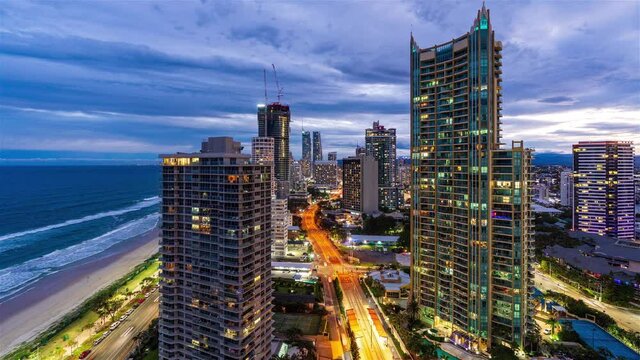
157 77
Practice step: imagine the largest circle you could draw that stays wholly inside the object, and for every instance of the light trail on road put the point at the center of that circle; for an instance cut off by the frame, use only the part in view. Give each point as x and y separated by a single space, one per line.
369 343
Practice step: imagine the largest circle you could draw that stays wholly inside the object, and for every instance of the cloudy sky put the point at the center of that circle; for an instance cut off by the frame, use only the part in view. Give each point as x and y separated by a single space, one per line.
129 79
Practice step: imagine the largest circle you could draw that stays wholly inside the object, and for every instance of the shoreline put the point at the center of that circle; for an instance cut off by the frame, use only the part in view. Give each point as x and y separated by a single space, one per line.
30 311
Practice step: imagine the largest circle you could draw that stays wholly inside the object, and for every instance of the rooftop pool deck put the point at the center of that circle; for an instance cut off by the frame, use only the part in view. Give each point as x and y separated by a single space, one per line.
595 337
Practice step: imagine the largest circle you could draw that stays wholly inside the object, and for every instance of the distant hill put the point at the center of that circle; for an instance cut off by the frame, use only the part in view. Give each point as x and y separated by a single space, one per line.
544 159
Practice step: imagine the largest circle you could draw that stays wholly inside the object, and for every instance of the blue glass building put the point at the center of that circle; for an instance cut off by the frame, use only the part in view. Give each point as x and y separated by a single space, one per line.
471 225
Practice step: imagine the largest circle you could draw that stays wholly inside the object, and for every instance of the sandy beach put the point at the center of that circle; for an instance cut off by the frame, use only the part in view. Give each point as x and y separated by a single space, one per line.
28 313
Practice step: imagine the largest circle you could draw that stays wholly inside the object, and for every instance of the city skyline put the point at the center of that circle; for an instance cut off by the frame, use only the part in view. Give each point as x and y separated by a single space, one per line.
567 79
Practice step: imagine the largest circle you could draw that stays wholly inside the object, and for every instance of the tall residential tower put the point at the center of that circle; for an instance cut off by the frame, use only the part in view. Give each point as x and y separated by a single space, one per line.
381 144
215 251
273 121
306 145
471 226
604 191
317 146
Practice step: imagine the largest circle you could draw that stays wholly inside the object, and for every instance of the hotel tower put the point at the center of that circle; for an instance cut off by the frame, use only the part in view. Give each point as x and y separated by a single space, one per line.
604 192
471 223
216 255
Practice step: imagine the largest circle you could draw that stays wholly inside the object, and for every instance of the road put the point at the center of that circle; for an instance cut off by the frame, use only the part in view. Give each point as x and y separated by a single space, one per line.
626 318
369 343
120 342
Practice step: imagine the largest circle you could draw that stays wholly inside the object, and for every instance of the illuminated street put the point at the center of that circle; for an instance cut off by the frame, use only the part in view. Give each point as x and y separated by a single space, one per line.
121 341
626 318
370 343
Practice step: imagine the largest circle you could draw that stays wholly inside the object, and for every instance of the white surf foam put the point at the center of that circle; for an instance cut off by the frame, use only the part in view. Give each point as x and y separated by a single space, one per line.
135 207
17 277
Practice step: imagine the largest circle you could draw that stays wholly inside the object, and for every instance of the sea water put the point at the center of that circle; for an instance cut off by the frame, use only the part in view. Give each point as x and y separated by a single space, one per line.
54 216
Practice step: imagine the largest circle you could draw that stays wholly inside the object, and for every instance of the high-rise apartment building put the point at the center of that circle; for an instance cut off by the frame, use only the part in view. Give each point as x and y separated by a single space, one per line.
360 184
262 152
603 188
280 222
325 174
471 222
332 156
566 188
306 145
216 258
317 146
381 144
273 122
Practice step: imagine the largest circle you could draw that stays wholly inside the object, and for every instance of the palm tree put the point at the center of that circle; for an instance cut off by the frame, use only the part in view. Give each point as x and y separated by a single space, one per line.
553 322
412 311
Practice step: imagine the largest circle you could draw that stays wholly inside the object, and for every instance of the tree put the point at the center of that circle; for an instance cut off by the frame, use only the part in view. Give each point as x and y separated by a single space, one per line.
307 351
502 352
553 322
412 312
422 347
111 307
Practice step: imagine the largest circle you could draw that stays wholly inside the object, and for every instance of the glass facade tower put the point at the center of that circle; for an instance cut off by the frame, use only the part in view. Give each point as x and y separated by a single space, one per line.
471 225
273 121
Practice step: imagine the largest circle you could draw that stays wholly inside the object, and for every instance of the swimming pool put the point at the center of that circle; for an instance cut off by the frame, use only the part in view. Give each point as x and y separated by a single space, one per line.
595 337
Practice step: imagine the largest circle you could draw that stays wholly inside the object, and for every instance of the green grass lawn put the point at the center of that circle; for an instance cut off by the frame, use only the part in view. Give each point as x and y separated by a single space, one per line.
152 355
308 323
286 286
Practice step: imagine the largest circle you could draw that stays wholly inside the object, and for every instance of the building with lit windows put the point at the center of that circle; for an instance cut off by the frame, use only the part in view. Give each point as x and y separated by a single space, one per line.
603 189
215 280
360 184
306 145
325 174
471 220
566 188
273 122
381 144
262 152
332 156
317 146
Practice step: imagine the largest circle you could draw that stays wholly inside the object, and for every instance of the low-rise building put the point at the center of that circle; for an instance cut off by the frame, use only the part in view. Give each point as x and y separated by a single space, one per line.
394 282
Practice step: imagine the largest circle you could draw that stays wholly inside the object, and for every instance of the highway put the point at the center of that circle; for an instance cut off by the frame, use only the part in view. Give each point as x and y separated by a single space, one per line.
120 342
626 318
369 343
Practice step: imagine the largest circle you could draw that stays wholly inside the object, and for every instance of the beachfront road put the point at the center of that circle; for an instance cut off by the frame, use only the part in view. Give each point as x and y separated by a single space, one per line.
120 342
625 317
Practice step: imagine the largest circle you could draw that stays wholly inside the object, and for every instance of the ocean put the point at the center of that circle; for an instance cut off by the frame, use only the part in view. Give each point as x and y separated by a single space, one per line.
53 216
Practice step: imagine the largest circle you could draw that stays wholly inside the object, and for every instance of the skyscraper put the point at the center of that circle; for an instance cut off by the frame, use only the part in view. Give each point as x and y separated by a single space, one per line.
471 226
215 250
317 146
381 144
566 188
360 184
332 156
263 154
325 174
273 121
306 145
604 189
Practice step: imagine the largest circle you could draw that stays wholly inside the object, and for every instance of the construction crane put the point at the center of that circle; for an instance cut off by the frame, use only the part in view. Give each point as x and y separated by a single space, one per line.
275 75
264 72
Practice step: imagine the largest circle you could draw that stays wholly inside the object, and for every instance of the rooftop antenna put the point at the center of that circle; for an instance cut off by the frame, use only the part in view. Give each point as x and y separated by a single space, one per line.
264 72
275 74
